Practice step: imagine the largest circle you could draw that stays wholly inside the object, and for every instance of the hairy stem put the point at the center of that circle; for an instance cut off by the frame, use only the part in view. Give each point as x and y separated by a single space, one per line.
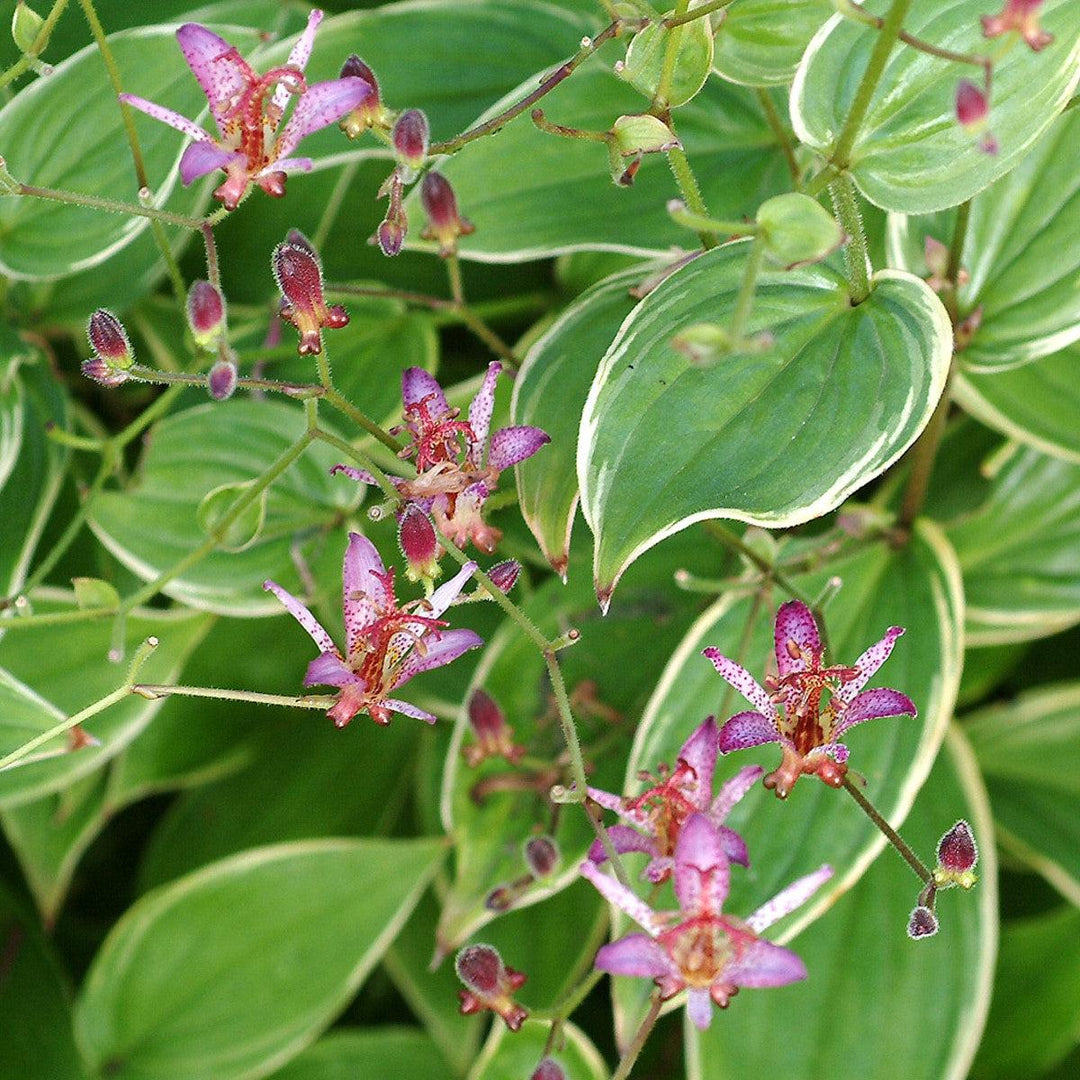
639 1040
890 833
856 259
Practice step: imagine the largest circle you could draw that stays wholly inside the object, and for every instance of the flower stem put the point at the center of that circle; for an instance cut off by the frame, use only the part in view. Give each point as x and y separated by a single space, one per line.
699 12
638 1042
690 191
846 207
890 833
744 302
783 138
24 63
381 478
671 54
875 68
153 691
113 206
337 401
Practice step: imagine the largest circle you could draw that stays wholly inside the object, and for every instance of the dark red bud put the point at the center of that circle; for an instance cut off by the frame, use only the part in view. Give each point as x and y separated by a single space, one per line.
418 543
410 137
972 108
99 370
548 1069
957 851
354 67
297 239
480 968
205 312
391 235
923 923
299 277
541 856
109 339
504 575
485 716
221 382
440 203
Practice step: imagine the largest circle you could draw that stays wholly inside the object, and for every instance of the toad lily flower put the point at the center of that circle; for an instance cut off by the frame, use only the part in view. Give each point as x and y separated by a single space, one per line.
387 644
657 816
709 954
807 730
248 110
457 462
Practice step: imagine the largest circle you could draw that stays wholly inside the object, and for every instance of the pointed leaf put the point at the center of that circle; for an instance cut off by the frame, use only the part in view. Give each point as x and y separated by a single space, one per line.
760 42
773 437
401 1052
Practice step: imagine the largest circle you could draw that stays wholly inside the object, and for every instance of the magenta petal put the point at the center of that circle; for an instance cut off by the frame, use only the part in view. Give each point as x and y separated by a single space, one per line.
288 165
328 669
362 476
417 384
509 445
406 709
734 846
747 729
731 791
700 752
699 1007
480 410
299 56
448 592
795 624
635 954
364 586
166 116
872 705
764 964
435 653
321 105
741 679
788 899
201 158
626 899
304 617
869 662
624 839
221 72
702 873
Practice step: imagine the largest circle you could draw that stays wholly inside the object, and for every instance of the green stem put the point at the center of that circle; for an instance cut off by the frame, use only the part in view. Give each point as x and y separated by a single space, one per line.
776 125
153 691
691 193
891 834
337 401
856 259
453 272
875 68
140 657
643 1032
719 226
671 54
487 335
23 64
334 204
699 12
744 302
113 206
381 478
155 376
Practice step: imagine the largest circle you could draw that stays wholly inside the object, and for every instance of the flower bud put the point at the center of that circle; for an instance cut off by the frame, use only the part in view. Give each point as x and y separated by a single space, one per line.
299 277
109 339
100 371
390 234
370 113
504 575
410 137
440 205
548 1069
419 544
957 854
541 856
972 112
489 984
206 314
633 136
1021 16
923 923
221 382
797 230
493 736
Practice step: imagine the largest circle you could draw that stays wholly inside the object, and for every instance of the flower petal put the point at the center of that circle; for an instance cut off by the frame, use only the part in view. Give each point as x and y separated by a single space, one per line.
702 872
731 791
738 677
764 964
700 752
624 839
362 476
869 662
299 57
622 897
509 445
320 105
734 845
747 729
304 617
480 411
872 705
328 669
417 384
289 164
796 632
222 73
406 709
365 588
447 593
699 1007
166 116
201 158
437 652
635 954
787 900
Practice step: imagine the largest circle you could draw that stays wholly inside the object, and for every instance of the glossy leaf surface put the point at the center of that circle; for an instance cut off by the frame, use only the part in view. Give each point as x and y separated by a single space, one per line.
760 42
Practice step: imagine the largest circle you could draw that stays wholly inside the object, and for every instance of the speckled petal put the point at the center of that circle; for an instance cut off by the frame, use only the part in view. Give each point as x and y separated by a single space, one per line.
364 588
406 709
166 116
300 55
702 872
328 669
201 158
623 898
765 964
435 653
624 839
480 411
700 752
222 73
288 165
734 845
795 631
635 954
509 445
869 662
787 900
747 729
447 593
319 106
741 679
872 705
417 384
731 791
304 617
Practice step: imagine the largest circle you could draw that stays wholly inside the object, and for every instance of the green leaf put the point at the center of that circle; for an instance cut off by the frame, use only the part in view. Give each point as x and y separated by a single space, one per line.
774 437
1020 553
760 42
1036 404
867 1002
644 63
1021 252
94 593
34 1002
911 155
1030 1031
558 197
214 509
283 936
27 497
796 230
513 1054
401 1052
550 392
198 451
66 665
66 132
1025 748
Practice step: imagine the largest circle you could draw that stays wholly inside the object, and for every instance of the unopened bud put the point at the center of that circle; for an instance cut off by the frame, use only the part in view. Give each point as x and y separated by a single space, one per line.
419 544
445 224
206 314
489 984
548 1069
631 137
26 24
299 277
493 736
957 854
797 230
410 137
972 112
109 339
221 382
504 575
390 234
541 856
101 372
369 113
922 923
